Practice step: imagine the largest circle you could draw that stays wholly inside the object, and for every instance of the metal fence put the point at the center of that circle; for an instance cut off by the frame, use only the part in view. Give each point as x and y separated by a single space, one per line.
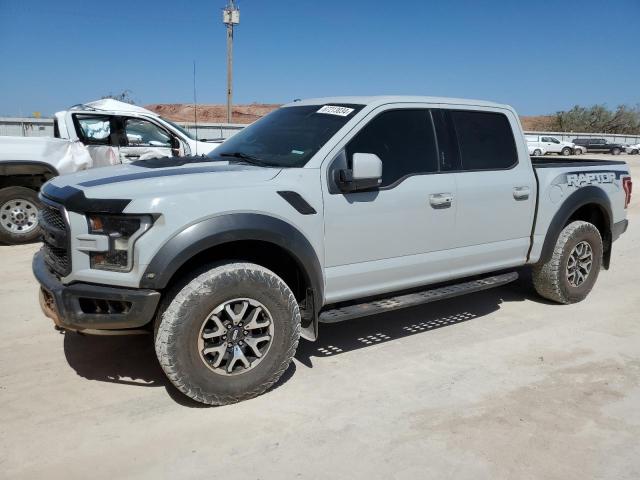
43 127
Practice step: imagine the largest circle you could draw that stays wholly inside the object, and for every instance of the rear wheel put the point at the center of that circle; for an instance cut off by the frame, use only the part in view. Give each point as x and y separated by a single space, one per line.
615 151
228 334
537 152
18 215
566 151
569 275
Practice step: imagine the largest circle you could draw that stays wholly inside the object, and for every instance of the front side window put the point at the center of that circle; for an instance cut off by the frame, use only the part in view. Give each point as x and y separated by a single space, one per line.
288 136
402 139
485 139
94 130
143 133
182 130
554 140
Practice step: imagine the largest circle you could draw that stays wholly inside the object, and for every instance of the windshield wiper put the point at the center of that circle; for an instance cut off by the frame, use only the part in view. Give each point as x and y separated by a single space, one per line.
250 159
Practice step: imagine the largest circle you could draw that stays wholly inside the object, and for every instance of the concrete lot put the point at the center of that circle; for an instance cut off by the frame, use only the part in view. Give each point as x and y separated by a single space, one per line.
498 384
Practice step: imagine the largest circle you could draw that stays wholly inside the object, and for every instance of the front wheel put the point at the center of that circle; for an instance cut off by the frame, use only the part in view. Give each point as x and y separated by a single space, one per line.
615 151
571 272
537 152
566 151
18 215
228 334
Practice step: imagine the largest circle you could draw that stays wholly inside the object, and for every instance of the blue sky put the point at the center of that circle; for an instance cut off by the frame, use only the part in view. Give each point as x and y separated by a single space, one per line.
537 56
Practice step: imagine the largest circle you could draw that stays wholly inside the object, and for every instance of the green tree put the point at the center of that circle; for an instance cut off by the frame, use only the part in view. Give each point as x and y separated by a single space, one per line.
599 119
124 96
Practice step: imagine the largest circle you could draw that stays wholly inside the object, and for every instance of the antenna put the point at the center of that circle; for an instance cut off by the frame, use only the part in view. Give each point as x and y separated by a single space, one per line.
230 17
195 104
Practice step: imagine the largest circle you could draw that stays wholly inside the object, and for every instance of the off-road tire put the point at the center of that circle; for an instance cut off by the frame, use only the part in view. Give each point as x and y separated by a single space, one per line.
550 278
178 327
566 151
8 194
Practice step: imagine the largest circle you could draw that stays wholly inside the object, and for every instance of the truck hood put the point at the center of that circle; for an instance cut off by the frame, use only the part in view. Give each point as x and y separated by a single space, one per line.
166 176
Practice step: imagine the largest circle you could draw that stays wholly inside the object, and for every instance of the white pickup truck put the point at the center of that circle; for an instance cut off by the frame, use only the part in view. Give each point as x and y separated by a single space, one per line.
322 211
543 144
95 134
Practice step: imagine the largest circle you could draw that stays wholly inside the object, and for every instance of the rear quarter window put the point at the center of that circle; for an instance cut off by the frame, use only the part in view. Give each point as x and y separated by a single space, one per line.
485 139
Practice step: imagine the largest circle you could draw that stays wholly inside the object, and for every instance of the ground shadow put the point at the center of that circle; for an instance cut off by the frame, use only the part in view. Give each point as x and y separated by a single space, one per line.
131 360
352 335
128 360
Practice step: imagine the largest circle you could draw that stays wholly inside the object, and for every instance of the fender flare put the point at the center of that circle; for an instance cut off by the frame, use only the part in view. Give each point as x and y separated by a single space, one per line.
228 228
581 197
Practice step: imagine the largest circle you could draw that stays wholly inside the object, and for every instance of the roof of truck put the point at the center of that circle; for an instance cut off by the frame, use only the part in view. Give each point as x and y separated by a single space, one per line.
384 99
111 105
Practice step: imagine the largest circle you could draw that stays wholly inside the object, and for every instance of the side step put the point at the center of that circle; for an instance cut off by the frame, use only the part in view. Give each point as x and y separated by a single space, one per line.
411 299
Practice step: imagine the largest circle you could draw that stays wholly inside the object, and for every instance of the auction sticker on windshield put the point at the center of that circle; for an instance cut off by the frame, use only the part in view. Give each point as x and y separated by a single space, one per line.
335 110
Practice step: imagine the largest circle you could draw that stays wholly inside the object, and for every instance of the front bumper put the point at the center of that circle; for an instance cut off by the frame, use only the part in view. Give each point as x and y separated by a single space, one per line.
84 306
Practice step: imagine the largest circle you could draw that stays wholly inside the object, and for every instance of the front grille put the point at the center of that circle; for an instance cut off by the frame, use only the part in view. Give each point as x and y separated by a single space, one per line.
52 216
55 238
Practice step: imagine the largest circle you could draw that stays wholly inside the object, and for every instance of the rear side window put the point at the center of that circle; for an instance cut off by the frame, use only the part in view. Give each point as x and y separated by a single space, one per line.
485 140
94 130
403 139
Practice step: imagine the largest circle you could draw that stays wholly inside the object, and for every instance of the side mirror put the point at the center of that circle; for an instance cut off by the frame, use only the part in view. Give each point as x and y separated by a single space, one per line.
175 146
365 174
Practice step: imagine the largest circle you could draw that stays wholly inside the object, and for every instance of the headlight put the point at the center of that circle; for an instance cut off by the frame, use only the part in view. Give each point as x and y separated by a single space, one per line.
122 231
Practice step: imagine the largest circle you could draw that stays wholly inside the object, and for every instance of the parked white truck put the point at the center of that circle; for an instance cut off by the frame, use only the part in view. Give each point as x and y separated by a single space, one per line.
95 134
543 144
322 211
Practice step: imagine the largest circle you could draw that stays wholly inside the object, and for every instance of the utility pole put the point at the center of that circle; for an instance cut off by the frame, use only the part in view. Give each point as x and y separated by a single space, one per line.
230 17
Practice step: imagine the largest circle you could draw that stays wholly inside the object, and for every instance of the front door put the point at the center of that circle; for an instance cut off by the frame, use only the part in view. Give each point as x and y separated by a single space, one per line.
392 237
144 139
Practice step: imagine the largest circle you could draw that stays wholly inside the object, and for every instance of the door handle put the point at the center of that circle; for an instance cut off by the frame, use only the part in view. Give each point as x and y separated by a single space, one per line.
521 193
441 200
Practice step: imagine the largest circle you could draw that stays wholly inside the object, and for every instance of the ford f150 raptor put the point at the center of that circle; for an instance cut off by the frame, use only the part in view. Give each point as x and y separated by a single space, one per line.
322 211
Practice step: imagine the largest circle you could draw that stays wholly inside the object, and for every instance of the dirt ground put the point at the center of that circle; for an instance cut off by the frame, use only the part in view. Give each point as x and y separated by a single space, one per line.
495 385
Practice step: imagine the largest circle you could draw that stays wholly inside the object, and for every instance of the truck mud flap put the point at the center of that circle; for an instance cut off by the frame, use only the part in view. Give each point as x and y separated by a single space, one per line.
417 298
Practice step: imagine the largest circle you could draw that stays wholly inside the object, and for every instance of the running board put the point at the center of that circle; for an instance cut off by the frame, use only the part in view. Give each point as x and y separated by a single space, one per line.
418 298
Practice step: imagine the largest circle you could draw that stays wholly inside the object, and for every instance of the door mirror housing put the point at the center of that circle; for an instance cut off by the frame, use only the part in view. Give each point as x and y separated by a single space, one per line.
365 173
175 146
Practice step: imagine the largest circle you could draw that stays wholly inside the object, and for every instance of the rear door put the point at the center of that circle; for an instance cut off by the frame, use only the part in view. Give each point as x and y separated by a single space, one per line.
496 192
144 139
598 145
100 135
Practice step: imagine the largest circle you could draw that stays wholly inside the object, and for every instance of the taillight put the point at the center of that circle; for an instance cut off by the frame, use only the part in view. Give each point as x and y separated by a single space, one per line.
627 186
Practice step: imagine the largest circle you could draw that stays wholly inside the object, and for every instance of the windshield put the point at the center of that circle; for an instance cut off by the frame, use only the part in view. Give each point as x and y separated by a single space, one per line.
287 137
182 130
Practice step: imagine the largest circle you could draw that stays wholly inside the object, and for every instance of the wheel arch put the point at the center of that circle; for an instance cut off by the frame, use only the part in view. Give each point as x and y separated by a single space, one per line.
590 204
25 173
261 239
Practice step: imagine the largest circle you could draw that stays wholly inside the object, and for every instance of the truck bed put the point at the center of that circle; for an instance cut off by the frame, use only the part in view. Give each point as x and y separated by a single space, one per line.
550 162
